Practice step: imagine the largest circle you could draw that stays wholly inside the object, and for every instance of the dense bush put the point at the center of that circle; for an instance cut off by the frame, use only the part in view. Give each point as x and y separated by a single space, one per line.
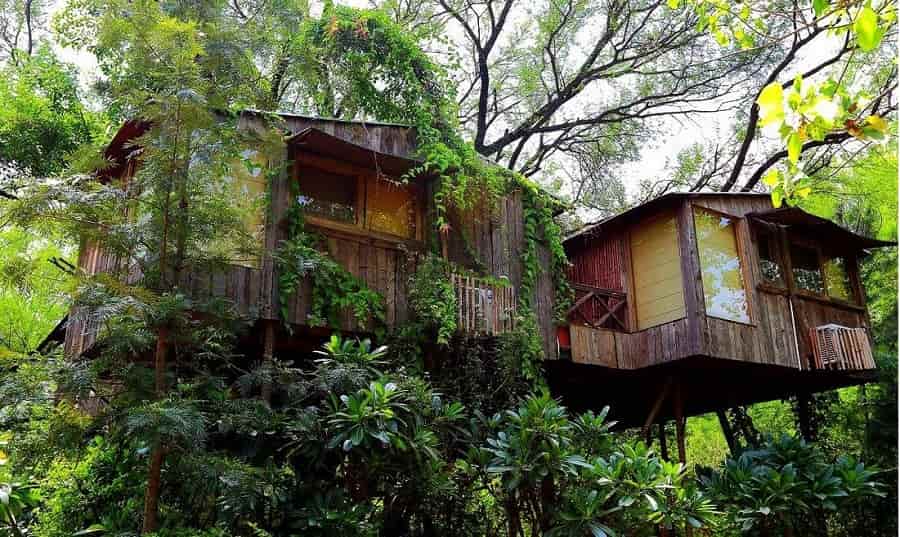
354 443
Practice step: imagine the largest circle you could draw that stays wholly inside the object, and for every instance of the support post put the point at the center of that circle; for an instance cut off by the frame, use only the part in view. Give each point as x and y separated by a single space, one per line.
804 416
663 448
679 423
727 431
268 355
679 436
656 408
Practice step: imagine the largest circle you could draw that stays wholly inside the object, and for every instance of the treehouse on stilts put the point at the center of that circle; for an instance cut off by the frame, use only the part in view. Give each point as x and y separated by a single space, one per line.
363 193
693 303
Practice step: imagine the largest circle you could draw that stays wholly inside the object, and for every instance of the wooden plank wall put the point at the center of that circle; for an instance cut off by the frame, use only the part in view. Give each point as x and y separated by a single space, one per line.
385 268
490 240
634 350
770 338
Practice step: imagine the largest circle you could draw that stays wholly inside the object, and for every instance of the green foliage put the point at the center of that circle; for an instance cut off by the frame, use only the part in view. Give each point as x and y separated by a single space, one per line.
43 120
433 301
787 485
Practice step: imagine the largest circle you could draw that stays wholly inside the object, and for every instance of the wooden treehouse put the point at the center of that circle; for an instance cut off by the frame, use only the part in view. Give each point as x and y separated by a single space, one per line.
345 174
699 302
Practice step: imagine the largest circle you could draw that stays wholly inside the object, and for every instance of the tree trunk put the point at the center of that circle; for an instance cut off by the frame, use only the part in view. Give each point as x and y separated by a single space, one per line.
151 499
514 523
154 473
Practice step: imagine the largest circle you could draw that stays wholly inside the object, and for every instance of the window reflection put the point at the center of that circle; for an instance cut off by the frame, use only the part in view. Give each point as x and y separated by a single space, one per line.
720 264
391 208
768 260
838 279
328 195
807 273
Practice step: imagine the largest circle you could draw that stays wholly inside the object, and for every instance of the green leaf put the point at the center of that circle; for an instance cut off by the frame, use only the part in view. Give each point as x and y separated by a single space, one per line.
771 178
673 4
819 7
868 34
777 199
794 146
771 109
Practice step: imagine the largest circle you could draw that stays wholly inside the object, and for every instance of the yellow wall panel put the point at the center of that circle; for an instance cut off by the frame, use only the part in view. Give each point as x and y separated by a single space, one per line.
656 265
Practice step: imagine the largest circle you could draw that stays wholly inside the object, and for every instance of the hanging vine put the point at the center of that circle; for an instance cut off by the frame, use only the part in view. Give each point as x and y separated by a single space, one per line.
334 288
361 64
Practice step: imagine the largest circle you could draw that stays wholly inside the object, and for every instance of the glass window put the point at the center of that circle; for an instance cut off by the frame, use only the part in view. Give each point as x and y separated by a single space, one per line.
391 208
720 266
807 273
838 279
328 195
768 260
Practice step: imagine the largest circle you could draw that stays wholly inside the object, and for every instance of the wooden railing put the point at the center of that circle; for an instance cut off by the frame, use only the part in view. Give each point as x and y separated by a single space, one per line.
840 348
483 307
598 307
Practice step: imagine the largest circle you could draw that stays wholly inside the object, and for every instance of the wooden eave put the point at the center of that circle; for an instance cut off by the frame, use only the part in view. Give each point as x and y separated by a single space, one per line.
639 211
823 230
326 145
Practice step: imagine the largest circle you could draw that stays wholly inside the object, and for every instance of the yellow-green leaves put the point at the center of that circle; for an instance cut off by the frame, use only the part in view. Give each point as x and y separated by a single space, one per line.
772 178
673 4
794 147
868 34
819 7
771 108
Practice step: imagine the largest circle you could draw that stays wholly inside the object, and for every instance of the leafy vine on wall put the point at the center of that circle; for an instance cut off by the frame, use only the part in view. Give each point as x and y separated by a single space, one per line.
364 65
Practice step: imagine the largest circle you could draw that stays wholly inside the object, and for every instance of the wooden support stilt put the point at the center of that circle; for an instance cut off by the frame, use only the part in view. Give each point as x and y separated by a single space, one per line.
727 431
268 354
679 423
663 448
657 406
804 416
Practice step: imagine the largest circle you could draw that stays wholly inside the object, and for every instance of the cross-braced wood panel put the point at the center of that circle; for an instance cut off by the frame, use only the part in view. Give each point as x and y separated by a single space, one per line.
598 308
839 347
483 307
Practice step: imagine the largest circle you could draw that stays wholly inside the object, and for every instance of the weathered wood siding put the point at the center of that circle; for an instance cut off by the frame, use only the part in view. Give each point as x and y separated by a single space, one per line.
491 240
623 350
770 336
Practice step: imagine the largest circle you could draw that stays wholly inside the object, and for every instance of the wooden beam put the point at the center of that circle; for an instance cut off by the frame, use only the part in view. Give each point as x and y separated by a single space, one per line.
578 303
679 423
727 431
663 447
657 406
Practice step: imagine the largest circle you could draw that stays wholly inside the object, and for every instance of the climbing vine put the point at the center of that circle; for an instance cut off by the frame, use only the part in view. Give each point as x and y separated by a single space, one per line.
432 300
361 64
334 288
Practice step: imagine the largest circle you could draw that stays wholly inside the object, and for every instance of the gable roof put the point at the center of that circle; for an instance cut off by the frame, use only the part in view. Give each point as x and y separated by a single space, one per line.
793 217
652 206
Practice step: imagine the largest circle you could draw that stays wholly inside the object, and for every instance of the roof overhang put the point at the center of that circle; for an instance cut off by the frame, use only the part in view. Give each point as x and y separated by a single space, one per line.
327 145
656 204
816 226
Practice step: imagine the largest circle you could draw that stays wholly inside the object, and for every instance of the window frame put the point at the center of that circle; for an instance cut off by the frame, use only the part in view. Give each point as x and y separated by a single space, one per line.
746 279
363 177
851 267
773 239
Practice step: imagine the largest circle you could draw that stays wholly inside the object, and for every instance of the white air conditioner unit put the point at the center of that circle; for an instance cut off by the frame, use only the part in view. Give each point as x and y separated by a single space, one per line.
840 347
